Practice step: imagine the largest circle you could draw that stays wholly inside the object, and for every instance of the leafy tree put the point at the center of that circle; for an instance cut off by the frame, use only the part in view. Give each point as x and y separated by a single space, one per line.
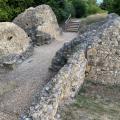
85 7
80 7
62 8
116 6
93 8
11 8
111 6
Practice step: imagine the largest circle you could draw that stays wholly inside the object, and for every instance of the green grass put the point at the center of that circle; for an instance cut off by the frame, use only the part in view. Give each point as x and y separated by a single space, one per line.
87 106
96 105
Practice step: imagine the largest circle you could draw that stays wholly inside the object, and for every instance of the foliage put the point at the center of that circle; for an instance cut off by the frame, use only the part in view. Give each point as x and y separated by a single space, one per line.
93 8
62 8
11 8
86 7
80 8
111 6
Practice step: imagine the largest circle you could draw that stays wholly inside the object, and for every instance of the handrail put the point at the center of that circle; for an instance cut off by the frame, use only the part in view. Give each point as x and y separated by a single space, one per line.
79 27
67 21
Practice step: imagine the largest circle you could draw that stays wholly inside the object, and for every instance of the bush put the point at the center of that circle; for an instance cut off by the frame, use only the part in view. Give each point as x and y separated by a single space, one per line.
62 8
112 6
11 8
86 7
93 9
80 7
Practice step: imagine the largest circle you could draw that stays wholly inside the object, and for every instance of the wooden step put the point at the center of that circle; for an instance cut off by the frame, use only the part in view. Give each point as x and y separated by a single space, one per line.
75 20
72 29
73 25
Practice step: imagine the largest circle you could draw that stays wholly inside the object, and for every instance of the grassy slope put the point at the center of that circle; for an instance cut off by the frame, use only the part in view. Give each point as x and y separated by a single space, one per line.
94 102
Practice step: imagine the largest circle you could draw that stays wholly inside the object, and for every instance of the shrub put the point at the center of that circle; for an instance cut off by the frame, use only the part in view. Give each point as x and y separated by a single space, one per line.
11 8
93 9
80 7
111 6
62 8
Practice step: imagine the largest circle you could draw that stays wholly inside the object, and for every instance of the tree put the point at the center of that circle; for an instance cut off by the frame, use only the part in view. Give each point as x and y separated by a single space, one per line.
80 7
111 6
62 8
11 8
116 7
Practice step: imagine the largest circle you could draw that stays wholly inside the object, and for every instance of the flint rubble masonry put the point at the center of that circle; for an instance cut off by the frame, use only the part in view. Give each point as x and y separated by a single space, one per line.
94 53
63 86
14 43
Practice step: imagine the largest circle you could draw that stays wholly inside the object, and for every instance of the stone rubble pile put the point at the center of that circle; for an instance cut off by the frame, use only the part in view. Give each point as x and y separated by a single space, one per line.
40 23
41 27
14 43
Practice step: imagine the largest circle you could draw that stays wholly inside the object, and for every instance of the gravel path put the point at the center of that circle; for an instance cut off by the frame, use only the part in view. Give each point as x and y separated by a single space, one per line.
18 86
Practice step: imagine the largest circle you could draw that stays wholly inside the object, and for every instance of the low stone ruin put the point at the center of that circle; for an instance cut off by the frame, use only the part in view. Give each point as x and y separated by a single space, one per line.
63 86
39 22
94 55
13 43
101 46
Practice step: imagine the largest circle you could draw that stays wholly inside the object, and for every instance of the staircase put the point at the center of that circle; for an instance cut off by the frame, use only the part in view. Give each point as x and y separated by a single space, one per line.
72 25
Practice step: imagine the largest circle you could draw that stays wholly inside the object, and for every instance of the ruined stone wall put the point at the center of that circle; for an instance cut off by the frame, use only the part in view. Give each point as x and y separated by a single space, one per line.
63 86
101 45
94 54
40 23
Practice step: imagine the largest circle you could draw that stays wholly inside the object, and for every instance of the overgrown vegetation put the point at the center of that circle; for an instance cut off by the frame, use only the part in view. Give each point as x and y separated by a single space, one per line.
113 6
62 8
10 8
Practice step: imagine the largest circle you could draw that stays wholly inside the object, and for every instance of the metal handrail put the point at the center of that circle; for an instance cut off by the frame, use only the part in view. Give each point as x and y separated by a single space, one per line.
67 21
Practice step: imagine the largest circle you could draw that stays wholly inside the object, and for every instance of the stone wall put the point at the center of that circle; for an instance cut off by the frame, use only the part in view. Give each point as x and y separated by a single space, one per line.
95 54
63 86
101 45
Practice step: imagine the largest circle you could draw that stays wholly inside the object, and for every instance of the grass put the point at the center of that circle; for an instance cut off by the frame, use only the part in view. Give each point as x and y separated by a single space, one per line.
87 106
94 18
97 106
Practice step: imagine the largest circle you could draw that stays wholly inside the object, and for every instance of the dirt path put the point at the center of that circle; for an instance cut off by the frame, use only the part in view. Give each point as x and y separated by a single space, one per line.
18 86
